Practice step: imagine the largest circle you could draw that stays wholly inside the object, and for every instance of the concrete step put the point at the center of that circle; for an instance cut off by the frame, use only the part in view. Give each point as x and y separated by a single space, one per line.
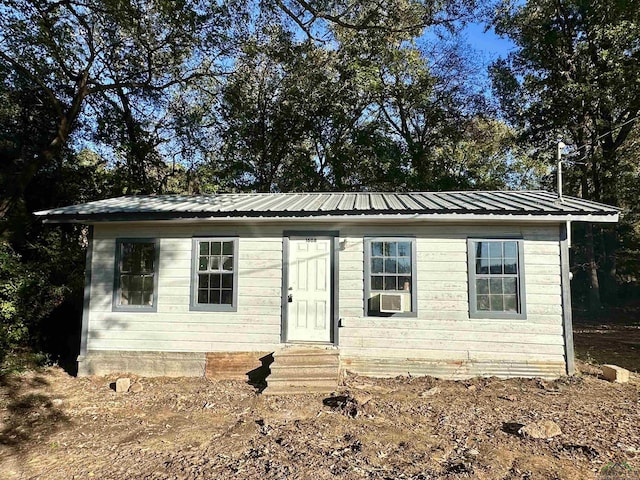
303 369
290 387
307 350
308 358
308 371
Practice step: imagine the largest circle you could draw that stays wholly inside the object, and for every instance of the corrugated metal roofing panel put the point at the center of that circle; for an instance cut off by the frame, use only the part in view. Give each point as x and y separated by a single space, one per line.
331 203
300 200
377 202
540 201
362 202
282 203
347 202
410 202
579 204
426 201
393 201
525 203
505 200
463 203
232 202
444 200
489 202
264 204
315 200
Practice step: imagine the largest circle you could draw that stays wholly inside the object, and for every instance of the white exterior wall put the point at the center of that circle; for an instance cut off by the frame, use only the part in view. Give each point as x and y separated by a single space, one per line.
441 340
255 326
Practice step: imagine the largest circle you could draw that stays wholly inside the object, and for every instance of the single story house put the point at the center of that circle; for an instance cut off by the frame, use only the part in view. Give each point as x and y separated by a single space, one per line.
450 284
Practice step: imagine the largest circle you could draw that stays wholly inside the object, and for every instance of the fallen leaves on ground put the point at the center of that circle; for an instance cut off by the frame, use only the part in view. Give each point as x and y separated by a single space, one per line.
53 426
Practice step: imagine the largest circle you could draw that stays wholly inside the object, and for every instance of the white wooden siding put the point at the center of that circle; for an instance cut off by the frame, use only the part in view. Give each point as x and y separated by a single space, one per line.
442 331
255 326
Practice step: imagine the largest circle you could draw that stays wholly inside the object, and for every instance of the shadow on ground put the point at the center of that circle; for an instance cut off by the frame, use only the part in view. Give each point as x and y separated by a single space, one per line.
257 377
27 414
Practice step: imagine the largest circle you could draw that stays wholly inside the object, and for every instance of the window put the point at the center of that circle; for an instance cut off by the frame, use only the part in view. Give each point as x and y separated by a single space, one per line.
496 288
215 266
136 275
390 277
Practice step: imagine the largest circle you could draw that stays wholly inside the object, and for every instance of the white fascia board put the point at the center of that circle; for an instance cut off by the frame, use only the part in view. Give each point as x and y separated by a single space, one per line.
379 219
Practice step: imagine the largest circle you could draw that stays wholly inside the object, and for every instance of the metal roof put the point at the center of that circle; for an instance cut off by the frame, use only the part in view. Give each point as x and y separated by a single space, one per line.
451 205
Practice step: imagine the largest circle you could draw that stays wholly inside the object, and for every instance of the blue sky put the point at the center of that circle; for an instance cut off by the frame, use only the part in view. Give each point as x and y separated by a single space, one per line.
488 44
481 48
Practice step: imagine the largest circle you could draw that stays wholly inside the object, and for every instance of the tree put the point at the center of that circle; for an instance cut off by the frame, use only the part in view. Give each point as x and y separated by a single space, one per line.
265 110
425 112
574 75
41 267
297 116
380 20
85 55
344 100
488 157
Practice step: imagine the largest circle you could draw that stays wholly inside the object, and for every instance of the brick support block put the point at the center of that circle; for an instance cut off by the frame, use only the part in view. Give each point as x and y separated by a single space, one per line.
613 373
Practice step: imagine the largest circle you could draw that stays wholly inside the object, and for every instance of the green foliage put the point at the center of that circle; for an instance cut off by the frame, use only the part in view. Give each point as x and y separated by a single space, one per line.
119 66
13 328
289 111
488 157
31 289
574 75
369 111
628 184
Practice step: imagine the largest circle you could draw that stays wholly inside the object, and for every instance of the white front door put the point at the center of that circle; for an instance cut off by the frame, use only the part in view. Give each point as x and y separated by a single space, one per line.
309 293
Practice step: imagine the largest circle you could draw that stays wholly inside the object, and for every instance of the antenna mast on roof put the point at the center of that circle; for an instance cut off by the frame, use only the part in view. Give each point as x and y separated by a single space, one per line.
559 160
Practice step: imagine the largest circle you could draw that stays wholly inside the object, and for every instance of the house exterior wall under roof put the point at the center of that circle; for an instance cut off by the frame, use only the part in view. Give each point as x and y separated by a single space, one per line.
441 340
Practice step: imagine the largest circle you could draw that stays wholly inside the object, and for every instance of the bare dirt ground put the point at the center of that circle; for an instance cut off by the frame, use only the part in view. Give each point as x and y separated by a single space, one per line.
54 426
617 344
611 336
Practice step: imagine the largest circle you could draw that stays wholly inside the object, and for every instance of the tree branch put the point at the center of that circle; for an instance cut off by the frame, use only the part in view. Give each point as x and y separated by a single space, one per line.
34 78
338 20
143 85
296 19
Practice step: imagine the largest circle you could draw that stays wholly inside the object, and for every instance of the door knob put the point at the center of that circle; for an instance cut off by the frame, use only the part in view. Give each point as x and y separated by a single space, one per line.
290 298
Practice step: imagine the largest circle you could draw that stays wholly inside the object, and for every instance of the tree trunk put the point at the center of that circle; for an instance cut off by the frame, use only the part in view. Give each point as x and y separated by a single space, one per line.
590 253
594 290
609 235
15 195
136 159
610 241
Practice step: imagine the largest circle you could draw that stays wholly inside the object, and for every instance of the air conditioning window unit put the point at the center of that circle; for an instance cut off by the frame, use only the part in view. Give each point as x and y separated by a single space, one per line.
391 302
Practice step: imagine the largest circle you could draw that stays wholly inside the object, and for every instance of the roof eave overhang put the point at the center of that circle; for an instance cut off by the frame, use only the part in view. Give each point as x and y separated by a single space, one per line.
316 218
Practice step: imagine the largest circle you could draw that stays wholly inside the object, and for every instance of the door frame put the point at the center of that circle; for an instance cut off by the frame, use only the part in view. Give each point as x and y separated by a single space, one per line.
334 235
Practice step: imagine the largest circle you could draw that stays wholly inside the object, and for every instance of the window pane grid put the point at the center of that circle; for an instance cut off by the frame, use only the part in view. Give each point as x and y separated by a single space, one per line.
137 272
497 276
390 266
215 272
389 276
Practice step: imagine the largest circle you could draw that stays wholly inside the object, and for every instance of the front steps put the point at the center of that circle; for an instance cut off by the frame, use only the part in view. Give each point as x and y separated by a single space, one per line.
303 369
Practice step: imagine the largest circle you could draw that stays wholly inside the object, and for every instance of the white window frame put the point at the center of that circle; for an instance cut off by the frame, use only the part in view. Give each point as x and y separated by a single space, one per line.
367 276
521 314
195 253
117 306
